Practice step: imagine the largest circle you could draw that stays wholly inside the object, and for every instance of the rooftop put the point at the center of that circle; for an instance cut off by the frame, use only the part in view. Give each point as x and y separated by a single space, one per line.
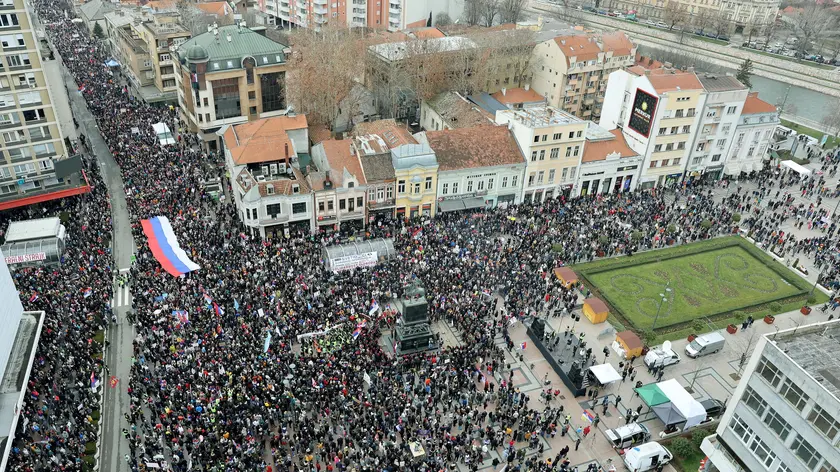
392 133
427 33
581 46
377 167
816 349
543 116
263 140
408 156
754 105
480 146
96 9
675 81
720 83
518 95
401 50
597 149
617 42
214 8
233 44
166 29
456 111
342 161
486 102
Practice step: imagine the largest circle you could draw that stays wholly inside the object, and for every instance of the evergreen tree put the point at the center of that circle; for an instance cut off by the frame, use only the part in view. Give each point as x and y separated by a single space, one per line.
97 31
745 72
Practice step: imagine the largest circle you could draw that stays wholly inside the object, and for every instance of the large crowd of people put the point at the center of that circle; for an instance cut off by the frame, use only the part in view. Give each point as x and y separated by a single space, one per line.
225 385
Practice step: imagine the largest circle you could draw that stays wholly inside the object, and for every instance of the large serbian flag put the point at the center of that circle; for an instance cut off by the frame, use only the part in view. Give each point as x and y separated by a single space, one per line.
165 247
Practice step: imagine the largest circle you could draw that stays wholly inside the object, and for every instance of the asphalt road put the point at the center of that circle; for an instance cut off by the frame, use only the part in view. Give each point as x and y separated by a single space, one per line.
118 354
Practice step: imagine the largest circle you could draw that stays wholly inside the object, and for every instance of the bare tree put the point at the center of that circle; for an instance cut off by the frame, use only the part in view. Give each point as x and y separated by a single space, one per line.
720 23
511 10
443 19
675 15
322 70
702 20
424 69
810 23
489 11
745 349
755 26
473 12
831 120
567 11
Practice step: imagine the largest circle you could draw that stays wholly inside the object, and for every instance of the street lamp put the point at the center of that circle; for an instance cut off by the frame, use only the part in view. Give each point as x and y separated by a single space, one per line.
664 297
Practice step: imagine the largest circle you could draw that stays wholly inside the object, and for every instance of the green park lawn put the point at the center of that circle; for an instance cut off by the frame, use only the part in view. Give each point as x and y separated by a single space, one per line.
708 280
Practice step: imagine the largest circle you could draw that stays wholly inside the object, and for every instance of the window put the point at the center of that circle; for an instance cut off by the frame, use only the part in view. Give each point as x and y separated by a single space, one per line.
533 156
824 422
342 204
669 147
27 79
686 129
701 147
29 98
769 372
793 394
665 162
715 157
12 41
330 205
751 151
725 129
417 188
652 164
273 210
721 143
558 136
490 183
674 129
454 187
657 148
563 175
504 182
536 138
568 151
19 153
579 134
9 119
571 134
572 171
542 155
514 180
540 176
690 112
48 148
777 424
678 114
7 20
762 451
445 189
480 185
805 452
551 174
681 145
731 110
544 137
298 208
469 186
390 191
428 183
677 161
401 187
13 136
531 178
577 150
320 206
663 130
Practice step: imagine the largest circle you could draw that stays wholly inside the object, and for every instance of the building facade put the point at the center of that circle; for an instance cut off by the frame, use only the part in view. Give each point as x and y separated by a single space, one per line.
163 35
785 413
479 167
339 186
552 142
725 98
571 72
32 140
415 169
393 15
741 15
375 159
608 164
658 113
263 160
228 76
753 136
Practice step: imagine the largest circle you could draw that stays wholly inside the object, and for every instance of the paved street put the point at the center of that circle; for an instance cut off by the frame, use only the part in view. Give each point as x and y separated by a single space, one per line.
113 446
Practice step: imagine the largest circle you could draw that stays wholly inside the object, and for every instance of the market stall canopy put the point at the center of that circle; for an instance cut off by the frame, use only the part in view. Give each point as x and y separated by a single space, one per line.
668 413
605 373
690 408
566 275
652 395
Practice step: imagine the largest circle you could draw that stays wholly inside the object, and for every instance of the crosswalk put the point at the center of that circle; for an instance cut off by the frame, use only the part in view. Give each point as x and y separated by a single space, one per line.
122 292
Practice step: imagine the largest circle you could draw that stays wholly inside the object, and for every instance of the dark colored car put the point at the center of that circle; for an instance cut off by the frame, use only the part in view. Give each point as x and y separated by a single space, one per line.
714 408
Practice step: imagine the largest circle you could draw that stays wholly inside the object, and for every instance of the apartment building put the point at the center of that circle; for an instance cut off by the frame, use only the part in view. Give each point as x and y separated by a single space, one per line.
785 413
571 71
741 15
725 98
34 164
479 167
658 112
375 158
228 76
263 159
608 164
753 136
339 186
393 15
552 142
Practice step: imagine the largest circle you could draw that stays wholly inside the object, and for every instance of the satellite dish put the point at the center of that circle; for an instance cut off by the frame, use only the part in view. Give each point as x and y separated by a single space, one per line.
666 346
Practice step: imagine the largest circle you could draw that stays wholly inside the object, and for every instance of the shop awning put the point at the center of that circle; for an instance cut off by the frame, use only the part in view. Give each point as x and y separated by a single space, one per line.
605 373
652 395
451 205
475 202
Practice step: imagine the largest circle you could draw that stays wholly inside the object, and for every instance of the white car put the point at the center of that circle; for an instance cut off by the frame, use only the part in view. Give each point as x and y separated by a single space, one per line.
661 356
650 22
661 24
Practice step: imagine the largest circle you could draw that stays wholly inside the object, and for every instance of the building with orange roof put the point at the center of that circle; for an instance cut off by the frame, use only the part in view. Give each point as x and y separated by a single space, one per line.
263 159
515 98
571 71
220 11
608 165
753 136
476 167
339 185
658 115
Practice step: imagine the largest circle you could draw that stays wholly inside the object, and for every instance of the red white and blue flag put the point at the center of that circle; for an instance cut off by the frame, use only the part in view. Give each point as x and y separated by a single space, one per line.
359 328
164 246
33 297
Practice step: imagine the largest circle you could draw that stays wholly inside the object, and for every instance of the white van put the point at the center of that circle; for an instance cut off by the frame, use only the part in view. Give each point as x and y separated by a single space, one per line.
705 344
164 135
627 435
647 456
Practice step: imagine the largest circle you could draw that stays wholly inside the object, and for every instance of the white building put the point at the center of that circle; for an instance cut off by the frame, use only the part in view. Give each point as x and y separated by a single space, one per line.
753 136
608 164
479 167
725 98
266 160
785 413
339 185
658 112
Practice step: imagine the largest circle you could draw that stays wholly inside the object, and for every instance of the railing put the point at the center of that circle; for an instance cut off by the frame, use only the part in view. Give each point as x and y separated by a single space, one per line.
281 218
382 204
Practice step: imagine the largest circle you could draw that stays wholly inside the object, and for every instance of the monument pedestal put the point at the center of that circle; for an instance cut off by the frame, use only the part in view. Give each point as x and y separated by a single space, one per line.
414 332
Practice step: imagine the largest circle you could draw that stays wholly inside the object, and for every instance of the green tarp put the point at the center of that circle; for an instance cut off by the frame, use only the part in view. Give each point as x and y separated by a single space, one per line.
652 395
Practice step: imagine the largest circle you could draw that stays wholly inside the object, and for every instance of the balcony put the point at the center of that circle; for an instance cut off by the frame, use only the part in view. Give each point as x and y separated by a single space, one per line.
320 10
387 203
277 219
353 215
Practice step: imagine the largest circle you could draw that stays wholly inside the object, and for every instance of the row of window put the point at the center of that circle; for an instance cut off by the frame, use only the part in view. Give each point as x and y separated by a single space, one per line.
401 186
17 136
23 169
26 80
541 138
380 194
669 147
538 178
675 130
571 151
349 204
275 209
665 163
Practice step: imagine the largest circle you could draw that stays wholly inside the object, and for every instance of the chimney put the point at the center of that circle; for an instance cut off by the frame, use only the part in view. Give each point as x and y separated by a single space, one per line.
286 148
229 39
527 87
504 91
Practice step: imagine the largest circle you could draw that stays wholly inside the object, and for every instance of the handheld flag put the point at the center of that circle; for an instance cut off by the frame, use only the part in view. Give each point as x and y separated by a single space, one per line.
359 327
94 382
33 297
523 345
219 310
88 292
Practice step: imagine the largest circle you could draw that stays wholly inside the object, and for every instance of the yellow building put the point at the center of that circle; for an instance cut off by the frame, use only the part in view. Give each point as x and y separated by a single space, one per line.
571 71
552 142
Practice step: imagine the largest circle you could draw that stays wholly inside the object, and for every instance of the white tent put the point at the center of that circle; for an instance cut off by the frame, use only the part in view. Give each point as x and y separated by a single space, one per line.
685 404
605 373
802 171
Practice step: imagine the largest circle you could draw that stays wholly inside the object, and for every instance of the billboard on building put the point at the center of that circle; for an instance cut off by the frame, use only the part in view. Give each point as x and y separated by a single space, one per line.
641 117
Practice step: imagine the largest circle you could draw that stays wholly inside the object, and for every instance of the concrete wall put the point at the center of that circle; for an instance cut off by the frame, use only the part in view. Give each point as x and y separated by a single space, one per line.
10 313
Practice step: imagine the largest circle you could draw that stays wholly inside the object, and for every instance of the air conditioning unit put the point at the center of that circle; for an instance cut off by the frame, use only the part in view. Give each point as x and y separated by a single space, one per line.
260 178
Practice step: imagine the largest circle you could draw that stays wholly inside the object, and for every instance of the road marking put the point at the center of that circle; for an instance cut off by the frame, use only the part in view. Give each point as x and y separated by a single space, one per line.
122 296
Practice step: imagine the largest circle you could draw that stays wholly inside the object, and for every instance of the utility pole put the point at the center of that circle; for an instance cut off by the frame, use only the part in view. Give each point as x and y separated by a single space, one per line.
664 299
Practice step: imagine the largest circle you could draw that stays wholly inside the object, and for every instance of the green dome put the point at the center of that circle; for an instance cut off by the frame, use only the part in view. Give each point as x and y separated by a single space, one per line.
197 53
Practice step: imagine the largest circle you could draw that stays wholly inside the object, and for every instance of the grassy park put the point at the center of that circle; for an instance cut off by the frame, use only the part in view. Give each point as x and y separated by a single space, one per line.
718 281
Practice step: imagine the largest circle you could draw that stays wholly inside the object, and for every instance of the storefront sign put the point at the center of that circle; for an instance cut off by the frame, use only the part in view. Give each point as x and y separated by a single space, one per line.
38 256
460 196
626 168
644 106
365 259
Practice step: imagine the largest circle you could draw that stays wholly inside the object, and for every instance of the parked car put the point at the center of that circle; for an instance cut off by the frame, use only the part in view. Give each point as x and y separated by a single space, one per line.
705 344
602 12
714 408
650 22
646 457
589 9
628 435
661 24
662 356
723 38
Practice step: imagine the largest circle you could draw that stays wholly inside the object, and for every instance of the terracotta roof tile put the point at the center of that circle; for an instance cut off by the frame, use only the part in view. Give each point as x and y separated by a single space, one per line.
663 83
754 105
286 186
428 33
581 47
262 140
468 148
457 111
598 150
340 156
518 95
617 42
